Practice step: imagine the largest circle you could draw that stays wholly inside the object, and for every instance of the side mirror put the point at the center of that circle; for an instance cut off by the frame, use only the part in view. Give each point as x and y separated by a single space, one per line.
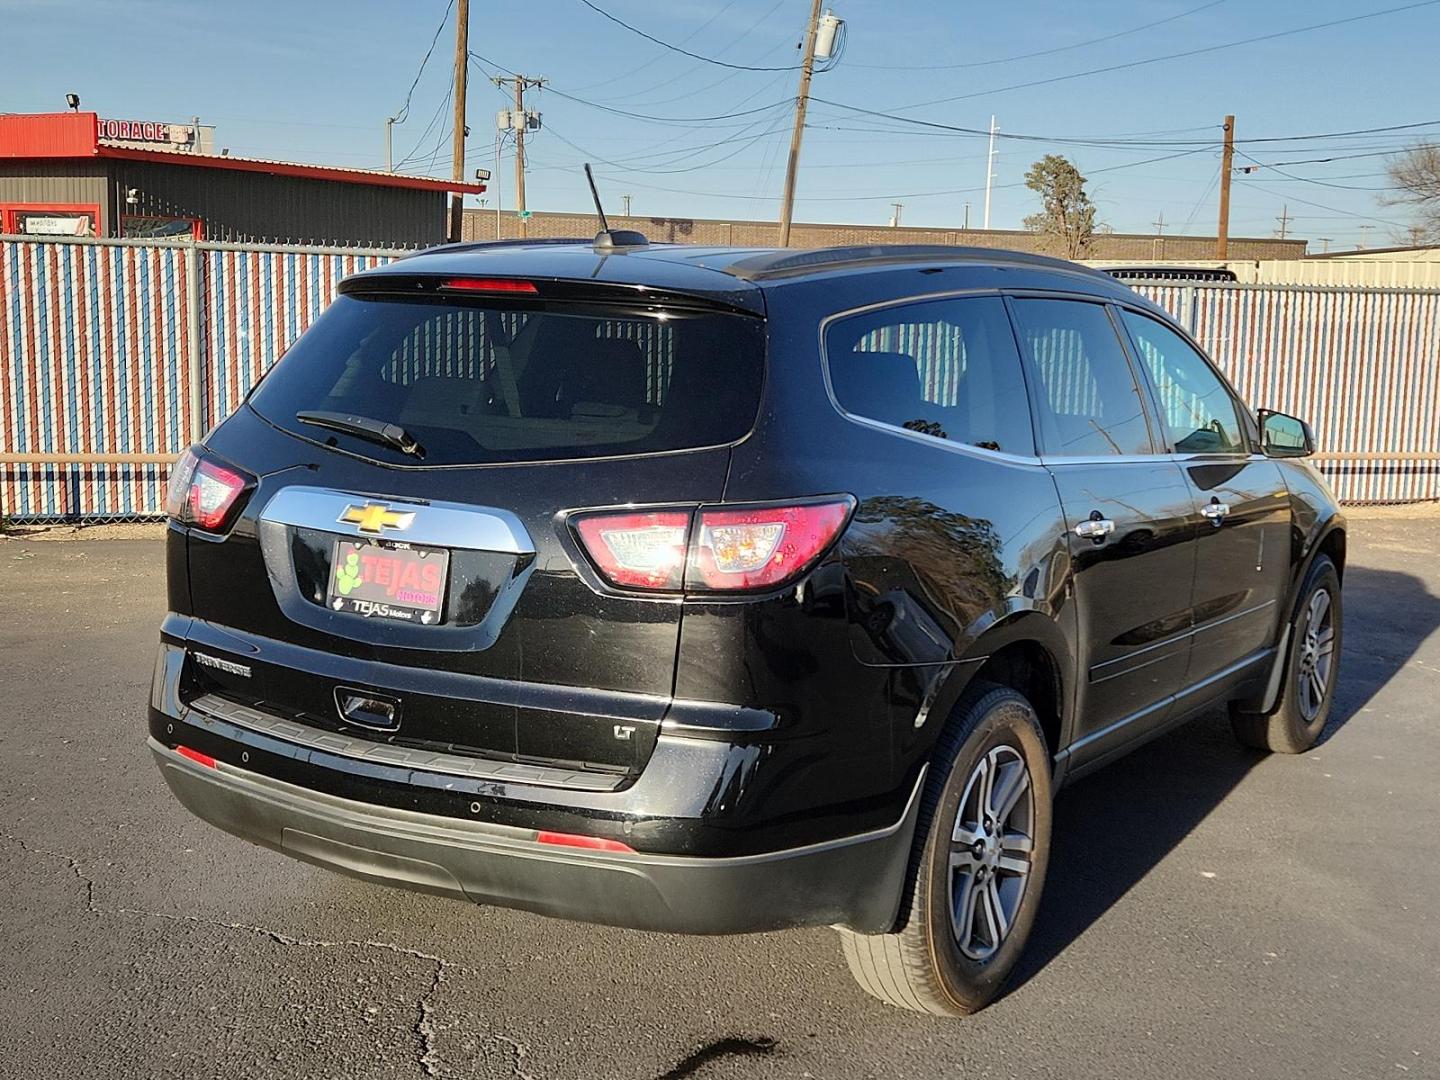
1283 436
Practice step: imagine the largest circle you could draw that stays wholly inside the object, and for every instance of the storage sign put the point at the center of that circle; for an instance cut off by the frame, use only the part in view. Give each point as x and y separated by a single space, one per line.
144 131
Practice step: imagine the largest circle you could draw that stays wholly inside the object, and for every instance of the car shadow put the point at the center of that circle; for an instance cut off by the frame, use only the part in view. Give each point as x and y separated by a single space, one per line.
1149 801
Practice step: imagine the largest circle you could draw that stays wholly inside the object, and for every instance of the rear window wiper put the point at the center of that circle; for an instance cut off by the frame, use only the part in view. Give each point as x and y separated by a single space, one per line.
364 427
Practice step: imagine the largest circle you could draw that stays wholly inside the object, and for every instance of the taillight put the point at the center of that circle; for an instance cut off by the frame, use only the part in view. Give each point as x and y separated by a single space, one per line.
715 549
761 548
204 493
643 551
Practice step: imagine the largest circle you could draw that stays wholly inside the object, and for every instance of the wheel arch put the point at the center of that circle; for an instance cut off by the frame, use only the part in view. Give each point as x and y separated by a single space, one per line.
1028 653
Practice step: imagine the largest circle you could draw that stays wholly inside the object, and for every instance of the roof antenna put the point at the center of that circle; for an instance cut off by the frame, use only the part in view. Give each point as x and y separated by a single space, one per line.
608 239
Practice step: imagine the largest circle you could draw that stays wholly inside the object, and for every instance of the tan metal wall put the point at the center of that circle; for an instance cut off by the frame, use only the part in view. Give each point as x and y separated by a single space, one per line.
1362 274
61 182
481 225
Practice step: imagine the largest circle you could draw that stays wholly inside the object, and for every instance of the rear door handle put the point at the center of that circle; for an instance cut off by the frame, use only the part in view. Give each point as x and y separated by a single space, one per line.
1095 528
1216 511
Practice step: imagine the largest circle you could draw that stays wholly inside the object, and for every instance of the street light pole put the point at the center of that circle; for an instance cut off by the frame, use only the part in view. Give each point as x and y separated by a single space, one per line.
498 137
989 171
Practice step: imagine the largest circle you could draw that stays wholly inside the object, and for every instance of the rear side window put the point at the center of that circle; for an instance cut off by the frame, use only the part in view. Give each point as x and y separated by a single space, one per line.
1089 402
485 382
1199 412
945 368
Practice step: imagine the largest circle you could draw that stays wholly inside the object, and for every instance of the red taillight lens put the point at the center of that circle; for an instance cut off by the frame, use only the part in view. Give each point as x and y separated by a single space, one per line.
714 550
643 551
761 548
490 285
203 492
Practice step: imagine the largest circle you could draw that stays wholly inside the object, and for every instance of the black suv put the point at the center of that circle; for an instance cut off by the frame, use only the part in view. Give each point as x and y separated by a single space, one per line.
716 591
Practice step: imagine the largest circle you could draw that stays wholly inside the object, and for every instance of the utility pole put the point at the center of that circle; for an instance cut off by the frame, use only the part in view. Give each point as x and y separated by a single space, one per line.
807 69
389 127
966 226
1158 248
457 154
895 217
519 124
1363 230
990 170
1227 166
625 200
1284 220
1326 241
520 156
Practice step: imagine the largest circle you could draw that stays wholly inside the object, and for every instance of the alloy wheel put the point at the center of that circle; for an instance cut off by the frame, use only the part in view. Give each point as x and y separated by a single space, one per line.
991 848
1317 654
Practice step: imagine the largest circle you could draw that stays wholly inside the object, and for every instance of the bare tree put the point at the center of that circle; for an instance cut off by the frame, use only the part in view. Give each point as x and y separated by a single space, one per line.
1416 176
1066 222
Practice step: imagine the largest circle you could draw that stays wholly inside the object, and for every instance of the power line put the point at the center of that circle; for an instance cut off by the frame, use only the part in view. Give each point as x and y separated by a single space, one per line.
1042 52
656 59
1311 180
646 116
677 49
688 71
1173 56
894 195
1200 201
434 119
404 109
1327 160
1116 141
1346 134
1333 209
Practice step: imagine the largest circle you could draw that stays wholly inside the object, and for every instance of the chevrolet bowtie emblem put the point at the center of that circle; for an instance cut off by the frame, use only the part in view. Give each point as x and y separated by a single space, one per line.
376 518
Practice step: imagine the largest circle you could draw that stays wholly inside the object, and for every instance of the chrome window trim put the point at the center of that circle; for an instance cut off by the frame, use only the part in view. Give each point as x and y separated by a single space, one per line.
438 524
965 449
1141 459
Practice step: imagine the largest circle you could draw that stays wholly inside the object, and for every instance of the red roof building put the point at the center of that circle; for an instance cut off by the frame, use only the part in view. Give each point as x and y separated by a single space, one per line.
58 176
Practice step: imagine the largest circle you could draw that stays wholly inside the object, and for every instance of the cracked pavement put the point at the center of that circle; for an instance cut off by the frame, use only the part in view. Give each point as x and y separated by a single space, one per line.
1210 912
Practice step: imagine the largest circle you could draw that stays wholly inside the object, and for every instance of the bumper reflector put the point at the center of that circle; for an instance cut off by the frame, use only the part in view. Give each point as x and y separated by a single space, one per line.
196 756
593 843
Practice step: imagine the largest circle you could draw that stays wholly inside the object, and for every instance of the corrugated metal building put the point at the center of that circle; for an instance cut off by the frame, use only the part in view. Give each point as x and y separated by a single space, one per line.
59 177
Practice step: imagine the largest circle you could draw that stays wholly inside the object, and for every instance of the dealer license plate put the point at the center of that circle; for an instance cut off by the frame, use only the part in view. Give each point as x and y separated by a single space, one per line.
388 581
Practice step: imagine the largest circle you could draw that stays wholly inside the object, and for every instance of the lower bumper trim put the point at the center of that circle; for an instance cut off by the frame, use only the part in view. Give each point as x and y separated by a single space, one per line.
854 882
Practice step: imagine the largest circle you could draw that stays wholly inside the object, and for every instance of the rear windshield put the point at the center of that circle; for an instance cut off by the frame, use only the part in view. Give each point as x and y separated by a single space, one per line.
475 383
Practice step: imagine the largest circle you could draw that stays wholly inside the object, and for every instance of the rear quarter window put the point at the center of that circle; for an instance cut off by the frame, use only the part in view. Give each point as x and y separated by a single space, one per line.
488 382
949 369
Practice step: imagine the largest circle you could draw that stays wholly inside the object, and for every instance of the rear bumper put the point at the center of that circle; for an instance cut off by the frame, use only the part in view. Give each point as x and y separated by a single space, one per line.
853 881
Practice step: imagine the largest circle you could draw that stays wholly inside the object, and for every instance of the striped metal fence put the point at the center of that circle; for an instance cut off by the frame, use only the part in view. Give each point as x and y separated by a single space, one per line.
114 355
130 351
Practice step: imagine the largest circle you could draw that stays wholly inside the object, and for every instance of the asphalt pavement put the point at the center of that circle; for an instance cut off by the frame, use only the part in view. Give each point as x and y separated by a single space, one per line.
1211 912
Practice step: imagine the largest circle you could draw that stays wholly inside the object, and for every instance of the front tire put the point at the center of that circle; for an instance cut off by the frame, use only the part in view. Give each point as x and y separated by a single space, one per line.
982 847
1312 667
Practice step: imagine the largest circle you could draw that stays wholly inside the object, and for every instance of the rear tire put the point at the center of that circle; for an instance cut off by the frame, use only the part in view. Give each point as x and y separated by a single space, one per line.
1312 667
982 844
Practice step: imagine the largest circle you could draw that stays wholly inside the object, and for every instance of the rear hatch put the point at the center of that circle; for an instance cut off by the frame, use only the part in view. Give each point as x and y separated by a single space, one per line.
407 572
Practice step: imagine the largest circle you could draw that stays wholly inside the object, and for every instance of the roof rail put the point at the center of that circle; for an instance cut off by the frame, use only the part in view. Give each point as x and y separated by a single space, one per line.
482 245
782 263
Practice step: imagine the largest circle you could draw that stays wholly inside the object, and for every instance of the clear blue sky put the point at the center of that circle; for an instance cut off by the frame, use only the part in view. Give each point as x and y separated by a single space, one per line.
314 81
